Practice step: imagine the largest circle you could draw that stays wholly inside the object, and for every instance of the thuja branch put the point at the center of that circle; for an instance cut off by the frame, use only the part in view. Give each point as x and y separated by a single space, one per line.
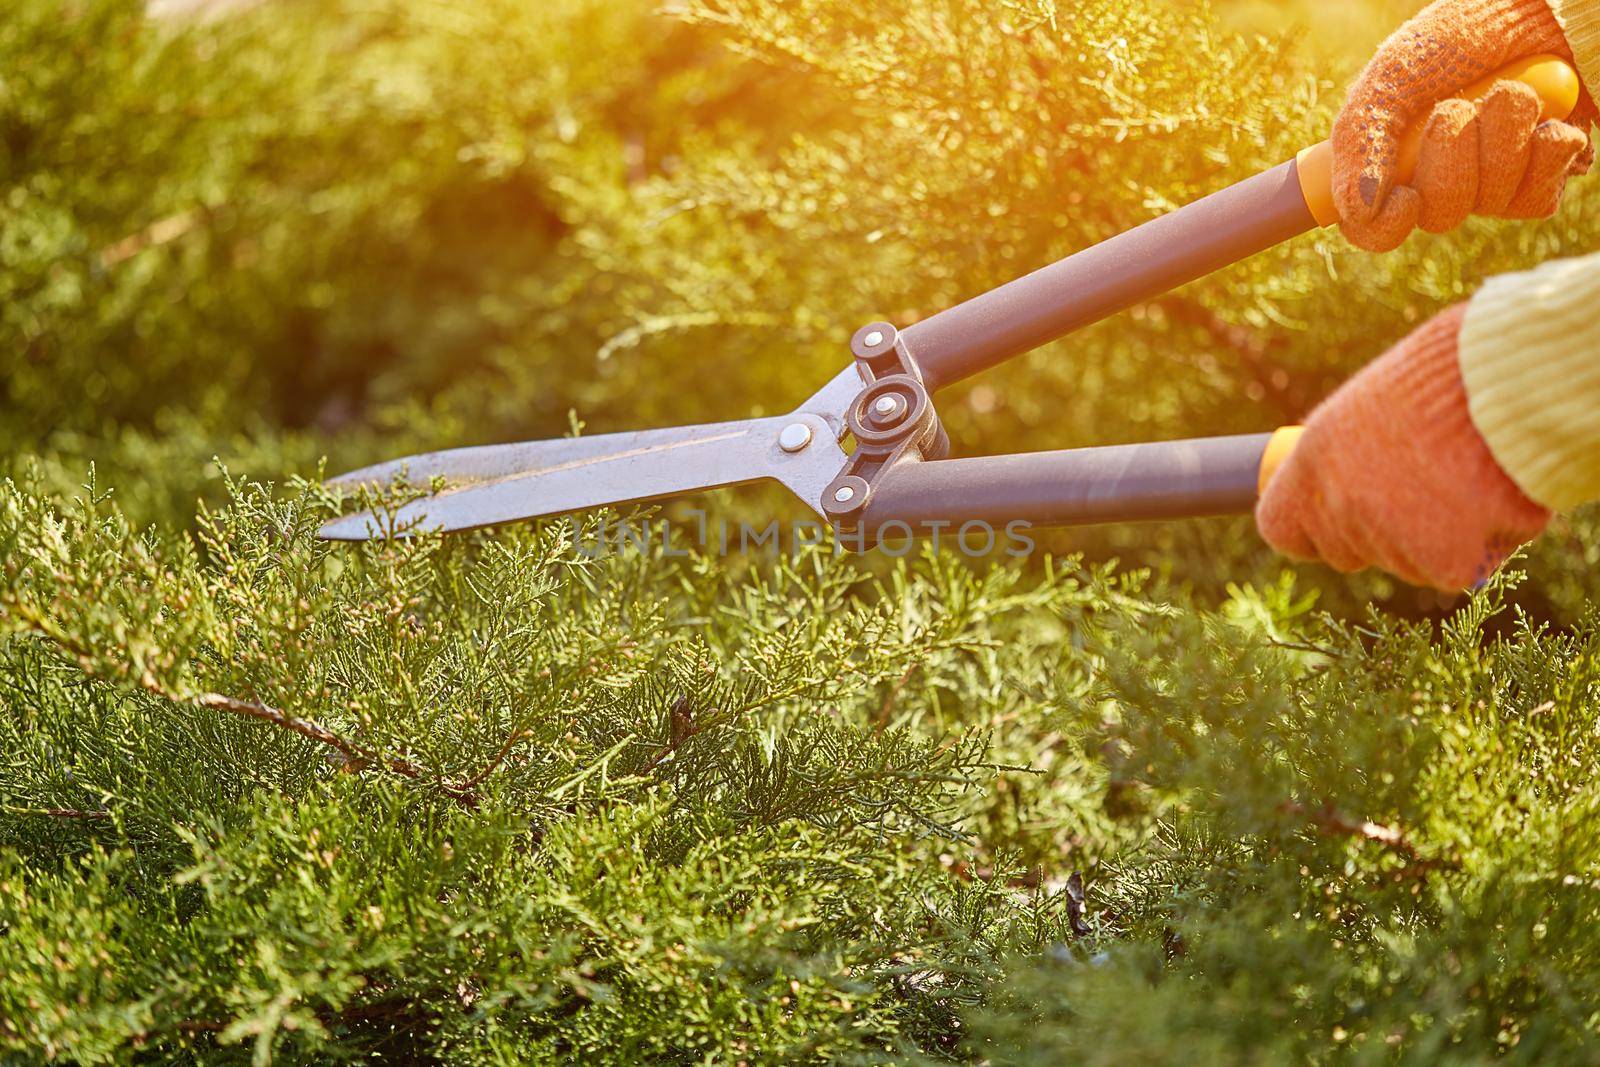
58 813
355 757
495 761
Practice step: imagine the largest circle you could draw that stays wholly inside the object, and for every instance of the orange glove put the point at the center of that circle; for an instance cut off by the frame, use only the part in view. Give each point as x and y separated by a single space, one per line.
1392 473
1491 158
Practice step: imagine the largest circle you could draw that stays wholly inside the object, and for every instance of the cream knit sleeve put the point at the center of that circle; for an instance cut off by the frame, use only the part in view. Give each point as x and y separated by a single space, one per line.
1581 21
1530 360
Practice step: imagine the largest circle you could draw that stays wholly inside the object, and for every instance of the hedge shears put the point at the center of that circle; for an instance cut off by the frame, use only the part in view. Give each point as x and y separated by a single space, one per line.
899 474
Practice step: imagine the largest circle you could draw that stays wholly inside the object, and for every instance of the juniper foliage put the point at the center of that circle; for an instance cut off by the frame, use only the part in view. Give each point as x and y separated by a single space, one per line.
494 799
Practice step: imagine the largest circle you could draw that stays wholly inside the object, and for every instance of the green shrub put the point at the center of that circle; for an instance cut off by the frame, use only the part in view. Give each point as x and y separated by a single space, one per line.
489 797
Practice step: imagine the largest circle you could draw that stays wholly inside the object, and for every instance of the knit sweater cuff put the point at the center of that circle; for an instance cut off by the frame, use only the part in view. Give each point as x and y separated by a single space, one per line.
1580 19
1530 361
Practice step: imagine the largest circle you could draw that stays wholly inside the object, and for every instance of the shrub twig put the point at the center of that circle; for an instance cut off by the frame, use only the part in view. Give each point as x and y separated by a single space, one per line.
60 813
355 757
1328 820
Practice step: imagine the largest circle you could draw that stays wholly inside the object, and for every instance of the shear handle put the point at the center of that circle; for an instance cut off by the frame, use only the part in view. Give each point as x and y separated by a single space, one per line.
1217 231
1164 253
1077 487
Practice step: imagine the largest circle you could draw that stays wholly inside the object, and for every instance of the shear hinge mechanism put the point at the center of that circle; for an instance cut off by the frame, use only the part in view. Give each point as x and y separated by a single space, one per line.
892 421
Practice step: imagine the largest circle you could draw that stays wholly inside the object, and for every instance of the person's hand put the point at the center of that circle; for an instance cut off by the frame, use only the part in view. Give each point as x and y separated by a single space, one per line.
1392 473
1490 158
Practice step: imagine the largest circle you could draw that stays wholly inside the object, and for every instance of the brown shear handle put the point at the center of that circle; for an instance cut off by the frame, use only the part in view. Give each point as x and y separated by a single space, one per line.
1080 486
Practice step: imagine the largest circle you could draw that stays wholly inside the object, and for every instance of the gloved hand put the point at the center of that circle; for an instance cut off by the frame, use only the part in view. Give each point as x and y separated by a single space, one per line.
1490 158
1392 473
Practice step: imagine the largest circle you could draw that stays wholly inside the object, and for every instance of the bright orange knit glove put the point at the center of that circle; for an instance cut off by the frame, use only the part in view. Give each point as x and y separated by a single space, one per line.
1392 473
1490 158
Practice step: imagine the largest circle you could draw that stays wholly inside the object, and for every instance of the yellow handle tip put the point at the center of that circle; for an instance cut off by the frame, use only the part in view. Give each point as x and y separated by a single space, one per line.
1552 77
1314 165
1279 447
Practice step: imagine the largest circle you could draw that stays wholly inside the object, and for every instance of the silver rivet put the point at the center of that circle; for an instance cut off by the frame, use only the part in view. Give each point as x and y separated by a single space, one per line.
885 405
873 339
844 495
794 437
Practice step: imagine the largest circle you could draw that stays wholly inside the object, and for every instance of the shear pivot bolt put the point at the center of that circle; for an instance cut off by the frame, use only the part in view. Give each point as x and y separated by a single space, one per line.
873 339
794 437
885 405
844 495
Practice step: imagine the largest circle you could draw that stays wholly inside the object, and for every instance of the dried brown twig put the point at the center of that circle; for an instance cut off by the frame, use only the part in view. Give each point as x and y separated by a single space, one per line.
1328 820
354 757
60 813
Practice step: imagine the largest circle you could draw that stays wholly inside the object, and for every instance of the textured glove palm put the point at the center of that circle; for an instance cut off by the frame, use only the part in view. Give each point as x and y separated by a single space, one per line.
1490 158
1392 473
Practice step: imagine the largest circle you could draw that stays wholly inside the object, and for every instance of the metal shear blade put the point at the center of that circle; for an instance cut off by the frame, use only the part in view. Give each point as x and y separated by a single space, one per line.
503 483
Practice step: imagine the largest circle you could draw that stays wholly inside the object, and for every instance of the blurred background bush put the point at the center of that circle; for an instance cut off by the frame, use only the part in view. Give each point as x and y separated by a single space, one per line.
354 230
282 231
